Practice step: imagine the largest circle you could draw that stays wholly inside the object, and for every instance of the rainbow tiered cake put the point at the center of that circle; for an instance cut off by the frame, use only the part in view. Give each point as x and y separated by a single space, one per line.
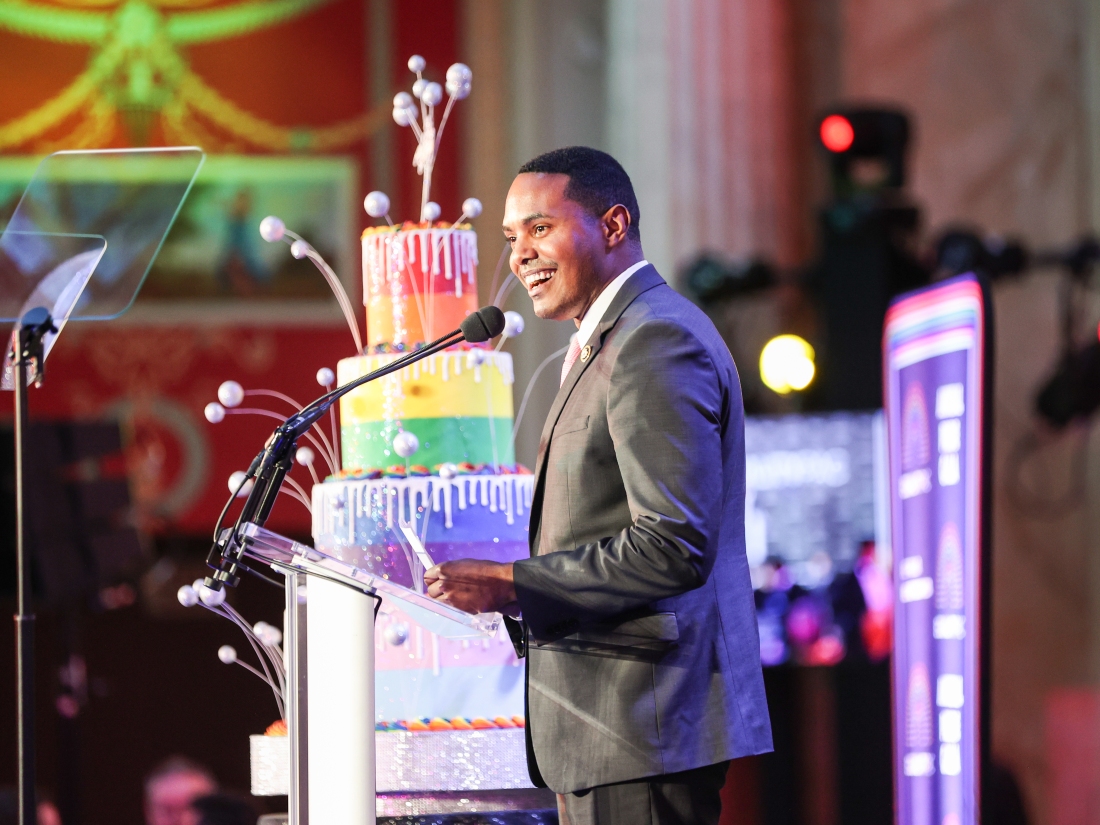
459 493
429 475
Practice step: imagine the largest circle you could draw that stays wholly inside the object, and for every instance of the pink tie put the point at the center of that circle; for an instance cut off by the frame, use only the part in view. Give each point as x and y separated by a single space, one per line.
570 358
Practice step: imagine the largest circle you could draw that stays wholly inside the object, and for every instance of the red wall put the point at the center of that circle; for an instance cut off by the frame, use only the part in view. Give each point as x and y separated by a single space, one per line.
310 71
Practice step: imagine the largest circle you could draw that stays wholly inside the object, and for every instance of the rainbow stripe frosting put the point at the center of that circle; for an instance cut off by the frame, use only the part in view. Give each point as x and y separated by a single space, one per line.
457 403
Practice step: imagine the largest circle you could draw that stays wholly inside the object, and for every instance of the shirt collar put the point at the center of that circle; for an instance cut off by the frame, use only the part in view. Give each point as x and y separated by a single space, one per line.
595 313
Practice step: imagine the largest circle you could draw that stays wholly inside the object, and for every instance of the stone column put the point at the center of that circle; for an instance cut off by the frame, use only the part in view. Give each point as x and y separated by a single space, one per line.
701 113
538 85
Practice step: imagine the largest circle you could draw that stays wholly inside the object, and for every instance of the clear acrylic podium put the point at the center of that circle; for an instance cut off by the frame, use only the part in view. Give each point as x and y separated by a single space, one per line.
328 644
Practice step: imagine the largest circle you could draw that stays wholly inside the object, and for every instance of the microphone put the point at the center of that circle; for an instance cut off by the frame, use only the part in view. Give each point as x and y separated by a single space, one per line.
486 323
274 460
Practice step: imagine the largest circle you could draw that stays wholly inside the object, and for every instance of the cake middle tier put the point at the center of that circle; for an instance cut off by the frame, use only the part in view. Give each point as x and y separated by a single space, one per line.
457 403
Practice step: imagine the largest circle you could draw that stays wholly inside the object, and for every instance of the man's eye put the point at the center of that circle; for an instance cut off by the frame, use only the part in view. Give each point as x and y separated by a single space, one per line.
540 229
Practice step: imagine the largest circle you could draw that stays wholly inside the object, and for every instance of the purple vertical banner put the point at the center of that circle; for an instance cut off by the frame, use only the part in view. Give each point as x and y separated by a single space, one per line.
936 379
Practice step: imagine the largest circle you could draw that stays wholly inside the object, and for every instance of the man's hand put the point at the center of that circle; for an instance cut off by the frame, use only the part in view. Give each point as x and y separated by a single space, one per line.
472 585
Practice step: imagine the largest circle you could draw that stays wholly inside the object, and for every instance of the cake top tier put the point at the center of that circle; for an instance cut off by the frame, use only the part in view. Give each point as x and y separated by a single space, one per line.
419 281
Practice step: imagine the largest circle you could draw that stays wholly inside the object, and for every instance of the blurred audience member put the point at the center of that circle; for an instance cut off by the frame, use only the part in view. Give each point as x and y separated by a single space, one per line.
172 787
223 809
9 808
48 813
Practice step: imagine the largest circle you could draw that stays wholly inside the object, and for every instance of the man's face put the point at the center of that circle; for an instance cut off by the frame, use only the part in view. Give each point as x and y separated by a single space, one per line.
557 246
168 799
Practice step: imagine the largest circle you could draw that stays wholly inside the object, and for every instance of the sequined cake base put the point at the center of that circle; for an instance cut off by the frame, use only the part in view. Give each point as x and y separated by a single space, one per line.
452 760
531 806
412 762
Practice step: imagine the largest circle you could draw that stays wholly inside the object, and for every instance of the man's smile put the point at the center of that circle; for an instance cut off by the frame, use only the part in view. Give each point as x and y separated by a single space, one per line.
535 277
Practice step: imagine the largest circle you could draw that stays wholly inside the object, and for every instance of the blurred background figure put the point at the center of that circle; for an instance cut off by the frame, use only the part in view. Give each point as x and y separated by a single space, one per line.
172 788
9 808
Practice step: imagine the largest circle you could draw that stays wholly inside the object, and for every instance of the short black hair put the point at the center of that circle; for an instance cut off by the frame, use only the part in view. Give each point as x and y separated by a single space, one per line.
596 181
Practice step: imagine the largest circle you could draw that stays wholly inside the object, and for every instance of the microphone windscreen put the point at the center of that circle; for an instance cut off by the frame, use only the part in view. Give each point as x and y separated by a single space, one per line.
486 323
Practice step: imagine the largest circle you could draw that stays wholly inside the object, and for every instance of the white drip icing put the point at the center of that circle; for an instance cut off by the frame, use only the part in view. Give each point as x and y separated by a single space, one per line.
339 506
446 252
445 364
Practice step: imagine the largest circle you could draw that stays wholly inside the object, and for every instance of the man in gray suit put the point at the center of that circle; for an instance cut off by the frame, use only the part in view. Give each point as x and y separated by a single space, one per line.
638 624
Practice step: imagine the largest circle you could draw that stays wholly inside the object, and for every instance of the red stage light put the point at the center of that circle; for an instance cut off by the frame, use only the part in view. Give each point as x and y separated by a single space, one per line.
837 133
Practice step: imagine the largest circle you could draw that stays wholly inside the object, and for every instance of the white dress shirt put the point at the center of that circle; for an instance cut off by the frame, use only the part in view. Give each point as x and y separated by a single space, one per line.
595 313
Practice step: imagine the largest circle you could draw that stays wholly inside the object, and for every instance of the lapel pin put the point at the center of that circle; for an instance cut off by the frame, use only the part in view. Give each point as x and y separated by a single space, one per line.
586 353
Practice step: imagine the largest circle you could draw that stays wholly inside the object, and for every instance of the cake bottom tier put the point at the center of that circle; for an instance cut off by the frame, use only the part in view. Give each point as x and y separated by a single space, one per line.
419 674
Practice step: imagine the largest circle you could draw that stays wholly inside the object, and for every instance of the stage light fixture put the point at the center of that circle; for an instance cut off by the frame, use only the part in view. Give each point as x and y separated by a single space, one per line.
866 148
1072 393
837 134
787 364
961 249
710 278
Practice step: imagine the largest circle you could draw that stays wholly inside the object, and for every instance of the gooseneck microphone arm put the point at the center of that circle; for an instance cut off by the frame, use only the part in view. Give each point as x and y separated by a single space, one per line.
274 461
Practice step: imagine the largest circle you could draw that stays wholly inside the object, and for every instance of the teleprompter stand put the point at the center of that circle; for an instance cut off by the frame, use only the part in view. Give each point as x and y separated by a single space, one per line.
78 247
29 362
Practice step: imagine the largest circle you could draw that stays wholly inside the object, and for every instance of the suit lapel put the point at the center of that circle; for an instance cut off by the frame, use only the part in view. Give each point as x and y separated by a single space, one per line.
641 281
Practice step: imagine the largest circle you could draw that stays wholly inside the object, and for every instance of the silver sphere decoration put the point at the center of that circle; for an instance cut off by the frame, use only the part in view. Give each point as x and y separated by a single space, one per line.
187 596
459 73
448 471
396 634
211 597
304 456
431 211
403 100
235 481
402 117
272 229
325 377
459 81
471 207
432 94
377 204
267 633
513 324
405 444
475 358
299 249
459 92
214 412
228 654
231 394
418 88
417 63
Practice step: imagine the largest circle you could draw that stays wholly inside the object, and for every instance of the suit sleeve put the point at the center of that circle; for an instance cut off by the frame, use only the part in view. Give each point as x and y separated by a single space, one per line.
667 407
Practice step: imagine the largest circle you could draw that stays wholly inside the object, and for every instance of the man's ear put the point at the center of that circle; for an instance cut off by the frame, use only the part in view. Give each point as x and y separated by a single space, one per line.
616 225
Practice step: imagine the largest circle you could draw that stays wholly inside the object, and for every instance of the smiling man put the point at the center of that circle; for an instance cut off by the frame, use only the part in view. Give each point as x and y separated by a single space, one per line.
638 625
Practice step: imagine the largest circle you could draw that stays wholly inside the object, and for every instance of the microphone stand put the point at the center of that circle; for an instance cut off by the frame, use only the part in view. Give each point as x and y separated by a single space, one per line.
29 345
270 467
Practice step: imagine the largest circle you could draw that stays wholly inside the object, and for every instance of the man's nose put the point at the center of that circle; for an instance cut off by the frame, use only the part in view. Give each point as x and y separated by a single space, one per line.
523 252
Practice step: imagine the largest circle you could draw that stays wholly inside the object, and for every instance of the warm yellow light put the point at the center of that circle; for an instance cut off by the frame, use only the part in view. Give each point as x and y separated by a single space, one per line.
786 364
